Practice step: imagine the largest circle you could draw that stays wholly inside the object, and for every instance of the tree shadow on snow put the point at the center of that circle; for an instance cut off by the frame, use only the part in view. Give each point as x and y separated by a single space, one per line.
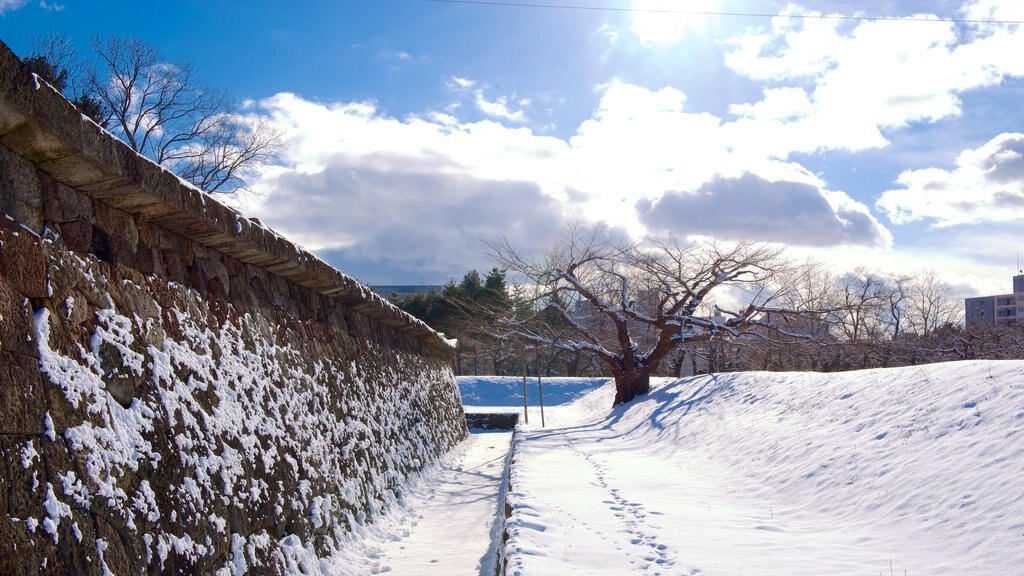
672 403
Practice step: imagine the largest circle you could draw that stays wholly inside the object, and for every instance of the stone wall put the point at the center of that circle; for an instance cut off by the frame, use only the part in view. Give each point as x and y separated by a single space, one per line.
181 389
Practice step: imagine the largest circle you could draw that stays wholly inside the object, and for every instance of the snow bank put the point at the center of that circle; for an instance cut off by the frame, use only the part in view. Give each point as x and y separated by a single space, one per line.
906 471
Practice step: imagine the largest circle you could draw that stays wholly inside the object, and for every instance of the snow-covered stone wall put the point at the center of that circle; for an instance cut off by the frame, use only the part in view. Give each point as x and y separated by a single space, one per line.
182 390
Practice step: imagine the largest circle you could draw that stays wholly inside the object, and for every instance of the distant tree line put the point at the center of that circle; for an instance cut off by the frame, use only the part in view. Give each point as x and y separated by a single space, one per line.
598 305
471 312
856 320
161 109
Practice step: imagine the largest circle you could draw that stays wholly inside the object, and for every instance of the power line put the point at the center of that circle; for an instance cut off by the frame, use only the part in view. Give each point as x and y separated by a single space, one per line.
727 14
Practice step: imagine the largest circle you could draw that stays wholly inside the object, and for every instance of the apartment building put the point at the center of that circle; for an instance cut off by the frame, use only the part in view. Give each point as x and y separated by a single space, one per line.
1001 308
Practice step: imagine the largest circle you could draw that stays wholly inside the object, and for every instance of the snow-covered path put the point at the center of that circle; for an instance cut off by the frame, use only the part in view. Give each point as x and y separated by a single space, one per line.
584 506
446 521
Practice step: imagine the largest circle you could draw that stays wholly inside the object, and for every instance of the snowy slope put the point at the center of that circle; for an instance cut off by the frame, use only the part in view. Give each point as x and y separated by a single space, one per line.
912 471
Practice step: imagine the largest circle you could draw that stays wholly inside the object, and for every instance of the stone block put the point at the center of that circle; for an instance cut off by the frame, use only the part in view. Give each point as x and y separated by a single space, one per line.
165 239
184 248
74 203
52 208
79 170
145 259
35 142
24 474
25 552
21 194
10 118
125 252
65 272
149 234
22 259
120 227
175 269
77 235
196 279
115 556
75 309
22 402
216 276
15 322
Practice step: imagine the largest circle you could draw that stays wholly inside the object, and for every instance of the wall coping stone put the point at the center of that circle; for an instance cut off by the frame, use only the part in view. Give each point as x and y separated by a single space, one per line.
38 123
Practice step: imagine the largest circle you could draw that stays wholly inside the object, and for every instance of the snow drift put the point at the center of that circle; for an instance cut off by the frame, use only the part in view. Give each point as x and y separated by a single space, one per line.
906 471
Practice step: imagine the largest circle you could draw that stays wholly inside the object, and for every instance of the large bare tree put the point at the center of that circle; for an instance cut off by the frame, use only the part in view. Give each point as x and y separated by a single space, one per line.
631 303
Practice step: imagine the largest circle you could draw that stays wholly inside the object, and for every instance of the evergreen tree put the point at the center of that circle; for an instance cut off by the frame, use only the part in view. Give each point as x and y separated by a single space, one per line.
54 75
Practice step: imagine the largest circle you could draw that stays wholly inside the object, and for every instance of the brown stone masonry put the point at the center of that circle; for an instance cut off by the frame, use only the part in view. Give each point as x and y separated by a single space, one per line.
182 390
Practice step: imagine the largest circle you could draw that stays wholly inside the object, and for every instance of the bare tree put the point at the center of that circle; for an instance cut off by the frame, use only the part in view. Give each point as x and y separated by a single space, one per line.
931 303
630 304
859 310
164 112
54 59
894 299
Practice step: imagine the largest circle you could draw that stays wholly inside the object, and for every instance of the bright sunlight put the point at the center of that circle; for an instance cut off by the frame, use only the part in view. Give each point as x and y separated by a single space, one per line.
666 22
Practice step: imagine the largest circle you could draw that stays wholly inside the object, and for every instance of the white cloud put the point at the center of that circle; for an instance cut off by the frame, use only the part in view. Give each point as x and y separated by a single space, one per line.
398 58
987 185
377 195
993 10
499 107
610 34
417 193
384 218
643 142
785 211
794 47
457 82
503 107
382 193
865 78
11 5
779 104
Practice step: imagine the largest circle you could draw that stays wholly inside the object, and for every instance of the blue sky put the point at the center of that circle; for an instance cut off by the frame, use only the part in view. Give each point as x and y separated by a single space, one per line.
415 128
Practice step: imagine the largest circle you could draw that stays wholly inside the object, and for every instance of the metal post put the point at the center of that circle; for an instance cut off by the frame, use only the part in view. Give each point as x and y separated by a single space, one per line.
540 390
526 411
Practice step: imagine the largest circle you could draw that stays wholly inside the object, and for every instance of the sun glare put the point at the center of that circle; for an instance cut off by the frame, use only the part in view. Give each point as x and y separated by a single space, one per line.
666 22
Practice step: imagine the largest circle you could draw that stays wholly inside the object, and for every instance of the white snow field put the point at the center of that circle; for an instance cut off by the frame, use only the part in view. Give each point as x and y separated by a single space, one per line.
913 471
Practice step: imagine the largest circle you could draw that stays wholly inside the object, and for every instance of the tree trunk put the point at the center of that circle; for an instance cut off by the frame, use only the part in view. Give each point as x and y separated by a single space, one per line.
572 366
629 385
677 364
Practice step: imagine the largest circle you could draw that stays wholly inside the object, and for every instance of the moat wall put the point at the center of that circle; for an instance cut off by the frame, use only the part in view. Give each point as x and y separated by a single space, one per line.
181 389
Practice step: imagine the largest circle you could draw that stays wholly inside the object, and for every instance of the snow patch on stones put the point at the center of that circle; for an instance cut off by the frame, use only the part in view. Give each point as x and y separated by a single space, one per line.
239 412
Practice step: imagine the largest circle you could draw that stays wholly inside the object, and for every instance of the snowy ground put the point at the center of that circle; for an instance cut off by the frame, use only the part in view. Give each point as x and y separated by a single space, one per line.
911 471
446 522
